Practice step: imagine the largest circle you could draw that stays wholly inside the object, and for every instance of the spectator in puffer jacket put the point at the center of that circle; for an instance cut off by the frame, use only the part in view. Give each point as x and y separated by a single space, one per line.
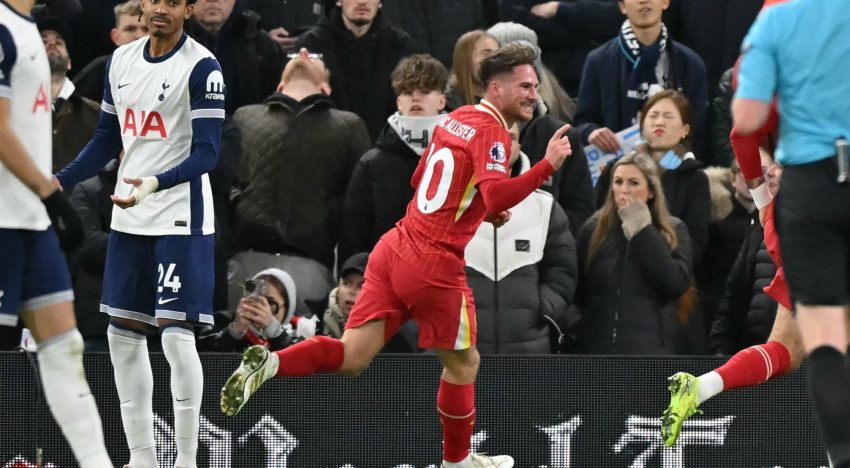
732 214
523 275
635 263
380 189
746 314
298 153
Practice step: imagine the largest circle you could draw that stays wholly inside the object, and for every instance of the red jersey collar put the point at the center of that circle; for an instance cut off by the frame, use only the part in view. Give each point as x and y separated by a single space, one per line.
489 108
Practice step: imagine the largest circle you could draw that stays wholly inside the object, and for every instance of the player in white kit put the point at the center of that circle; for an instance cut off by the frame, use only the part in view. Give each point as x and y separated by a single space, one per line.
163 102
34 279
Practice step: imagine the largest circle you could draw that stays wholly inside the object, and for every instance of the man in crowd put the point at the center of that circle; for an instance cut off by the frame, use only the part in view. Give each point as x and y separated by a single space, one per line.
74 116
250 60
298 152
360 49
128 28
620 75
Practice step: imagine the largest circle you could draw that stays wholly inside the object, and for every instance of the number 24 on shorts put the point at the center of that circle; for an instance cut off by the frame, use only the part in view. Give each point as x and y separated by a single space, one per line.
171 280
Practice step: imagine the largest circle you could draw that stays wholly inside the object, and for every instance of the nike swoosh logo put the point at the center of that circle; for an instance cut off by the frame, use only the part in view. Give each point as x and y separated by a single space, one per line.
182 399
166 301
123 85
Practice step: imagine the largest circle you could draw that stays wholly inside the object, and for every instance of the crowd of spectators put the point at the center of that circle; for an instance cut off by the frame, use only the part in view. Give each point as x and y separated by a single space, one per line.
330 105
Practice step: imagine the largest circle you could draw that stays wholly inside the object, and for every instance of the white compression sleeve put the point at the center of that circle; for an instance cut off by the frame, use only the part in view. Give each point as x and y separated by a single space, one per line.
187 388
134 382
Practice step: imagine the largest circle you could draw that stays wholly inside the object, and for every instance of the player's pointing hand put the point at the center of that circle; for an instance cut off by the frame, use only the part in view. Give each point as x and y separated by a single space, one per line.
142 187
559 148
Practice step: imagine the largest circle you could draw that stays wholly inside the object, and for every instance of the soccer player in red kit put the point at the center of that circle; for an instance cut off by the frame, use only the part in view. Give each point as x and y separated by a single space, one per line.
417 268
783 352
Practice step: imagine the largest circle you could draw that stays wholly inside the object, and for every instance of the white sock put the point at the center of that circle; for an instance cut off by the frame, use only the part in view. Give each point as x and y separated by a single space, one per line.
708 385
134 382
465 463
187 388
60 361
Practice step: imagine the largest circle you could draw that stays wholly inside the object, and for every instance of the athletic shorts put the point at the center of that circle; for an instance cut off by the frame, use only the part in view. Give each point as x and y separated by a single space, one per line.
33 273
778 287
813 223
395 291
152 277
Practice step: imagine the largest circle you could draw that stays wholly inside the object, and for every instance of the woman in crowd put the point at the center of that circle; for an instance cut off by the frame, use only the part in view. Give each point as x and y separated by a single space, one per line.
464 86
634 258
666 124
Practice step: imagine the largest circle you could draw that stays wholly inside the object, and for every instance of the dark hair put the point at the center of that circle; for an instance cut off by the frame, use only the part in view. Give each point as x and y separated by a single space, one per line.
505 60
682 104
419 71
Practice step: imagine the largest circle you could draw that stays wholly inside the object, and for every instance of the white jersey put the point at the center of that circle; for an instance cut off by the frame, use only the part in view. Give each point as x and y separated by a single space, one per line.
156 101
25 81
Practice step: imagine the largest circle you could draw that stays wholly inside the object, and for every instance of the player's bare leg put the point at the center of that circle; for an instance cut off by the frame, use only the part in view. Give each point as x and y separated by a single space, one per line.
128 350
456 406
319 354
60 362
782 354
187 387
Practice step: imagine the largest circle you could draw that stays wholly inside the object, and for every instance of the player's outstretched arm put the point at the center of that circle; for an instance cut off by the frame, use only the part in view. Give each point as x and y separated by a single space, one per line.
14 156
104 146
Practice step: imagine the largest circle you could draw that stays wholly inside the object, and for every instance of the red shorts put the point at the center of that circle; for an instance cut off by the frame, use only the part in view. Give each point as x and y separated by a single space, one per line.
778 288
396 291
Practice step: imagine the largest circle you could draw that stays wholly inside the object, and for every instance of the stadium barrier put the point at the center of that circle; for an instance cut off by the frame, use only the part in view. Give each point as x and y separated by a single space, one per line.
545 411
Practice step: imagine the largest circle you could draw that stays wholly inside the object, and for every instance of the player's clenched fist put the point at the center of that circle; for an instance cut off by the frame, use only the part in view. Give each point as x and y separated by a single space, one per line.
559 148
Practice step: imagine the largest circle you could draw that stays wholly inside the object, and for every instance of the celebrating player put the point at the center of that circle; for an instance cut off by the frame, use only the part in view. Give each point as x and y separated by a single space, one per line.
34 277
164 100
417 268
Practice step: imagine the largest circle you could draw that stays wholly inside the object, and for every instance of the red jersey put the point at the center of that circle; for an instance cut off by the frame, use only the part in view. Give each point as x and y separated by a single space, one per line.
470 146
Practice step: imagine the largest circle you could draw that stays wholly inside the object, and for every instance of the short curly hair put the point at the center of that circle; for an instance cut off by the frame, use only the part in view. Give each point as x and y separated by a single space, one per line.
419 71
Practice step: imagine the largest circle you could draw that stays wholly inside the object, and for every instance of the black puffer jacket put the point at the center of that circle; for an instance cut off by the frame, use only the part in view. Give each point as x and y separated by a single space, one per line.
250 60
688 198
745 316
571 185
378 193
628 294
297 159
721 127
536 271
360 67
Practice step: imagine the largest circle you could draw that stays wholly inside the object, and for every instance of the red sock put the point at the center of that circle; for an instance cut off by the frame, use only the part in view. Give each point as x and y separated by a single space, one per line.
316 354
755 365
456 405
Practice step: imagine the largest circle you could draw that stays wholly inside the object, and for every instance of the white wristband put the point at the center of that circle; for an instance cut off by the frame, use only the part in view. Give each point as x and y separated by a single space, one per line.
147 187
761 196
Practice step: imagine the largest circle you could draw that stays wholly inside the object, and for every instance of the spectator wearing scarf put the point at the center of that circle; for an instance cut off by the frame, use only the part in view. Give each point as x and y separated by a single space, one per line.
620 75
